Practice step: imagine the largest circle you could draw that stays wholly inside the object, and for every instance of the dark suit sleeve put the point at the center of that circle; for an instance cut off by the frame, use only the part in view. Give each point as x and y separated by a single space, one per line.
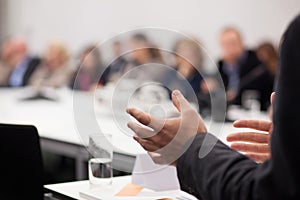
220 174
225 174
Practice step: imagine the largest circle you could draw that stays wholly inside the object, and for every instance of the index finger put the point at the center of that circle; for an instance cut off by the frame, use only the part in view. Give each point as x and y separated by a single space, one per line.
249 137
253 124
145 118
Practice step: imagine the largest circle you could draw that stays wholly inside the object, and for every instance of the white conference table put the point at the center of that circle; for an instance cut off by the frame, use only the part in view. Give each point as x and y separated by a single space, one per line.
71 189
83 191
59 133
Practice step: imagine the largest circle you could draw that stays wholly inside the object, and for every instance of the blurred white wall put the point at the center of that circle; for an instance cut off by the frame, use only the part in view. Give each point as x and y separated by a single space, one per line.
81 21
3 15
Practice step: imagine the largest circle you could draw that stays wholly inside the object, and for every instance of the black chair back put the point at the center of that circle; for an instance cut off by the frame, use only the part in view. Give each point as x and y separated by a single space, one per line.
21 168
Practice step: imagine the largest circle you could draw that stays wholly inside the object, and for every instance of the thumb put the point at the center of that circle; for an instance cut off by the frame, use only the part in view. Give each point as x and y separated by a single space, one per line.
179 101
272 98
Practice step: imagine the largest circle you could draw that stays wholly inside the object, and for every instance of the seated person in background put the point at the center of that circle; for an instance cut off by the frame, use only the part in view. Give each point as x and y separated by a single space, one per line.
4 73
268 56
115 69
144 52
86 77
241 70
19 64
189 64
54 70
4 69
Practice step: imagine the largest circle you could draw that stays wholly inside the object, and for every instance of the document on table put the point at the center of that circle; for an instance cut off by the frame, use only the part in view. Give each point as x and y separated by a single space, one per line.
144 194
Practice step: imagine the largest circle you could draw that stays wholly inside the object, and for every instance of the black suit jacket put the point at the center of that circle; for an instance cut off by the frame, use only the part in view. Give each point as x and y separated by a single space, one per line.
226 174
32 66
253 76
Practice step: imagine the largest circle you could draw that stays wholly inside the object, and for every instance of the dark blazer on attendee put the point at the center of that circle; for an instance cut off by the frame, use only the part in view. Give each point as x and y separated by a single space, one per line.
33 64
226 174
253 76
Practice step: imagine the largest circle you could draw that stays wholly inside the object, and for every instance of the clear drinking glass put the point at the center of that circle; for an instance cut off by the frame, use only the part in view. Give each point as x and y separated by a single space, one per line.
100 164
250 101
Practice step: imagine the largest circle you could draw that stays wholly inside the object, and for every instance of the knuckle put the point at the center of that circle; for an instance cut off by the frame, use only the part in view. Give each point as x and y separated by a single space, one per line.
139 116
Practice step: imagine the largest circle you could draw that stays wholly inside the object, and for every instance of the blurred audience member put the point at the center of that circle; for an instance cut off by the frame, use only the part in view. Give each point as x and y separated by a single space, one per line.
147 57
241 70
54 70
3 75
19 64
268 55
143 51
116 68
4 69
189 61
87 75
186 77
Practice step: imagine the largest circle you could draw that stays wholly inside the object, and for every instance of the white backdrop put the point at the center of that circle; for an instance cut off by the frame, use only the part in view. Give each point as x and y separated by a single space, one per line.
78 22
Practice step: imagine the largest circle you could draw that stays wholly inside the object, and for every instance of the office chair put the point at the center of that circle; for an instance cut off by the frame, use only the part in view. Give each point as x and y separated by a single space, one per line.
21 168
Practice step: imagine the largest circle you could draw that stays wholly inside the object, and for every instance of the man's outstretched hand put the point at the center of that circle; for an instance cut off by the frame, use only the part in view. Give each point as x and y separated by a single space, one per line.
255 144
164 139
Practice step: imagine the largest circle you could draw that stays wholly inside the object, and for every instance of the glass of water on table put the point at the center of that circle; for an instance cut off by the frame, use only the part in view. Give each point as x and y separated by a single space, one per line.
100 164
